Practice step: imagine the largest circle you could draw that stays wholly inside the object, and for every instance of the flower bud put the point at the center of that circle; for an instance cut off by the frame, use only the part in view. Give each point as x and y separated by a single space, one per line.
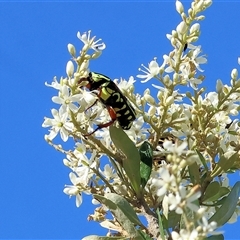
149 99
237 83
166 80
234 112
190 12
159 95
219 86
69 68
234 73
96 54
183 163
182 28
85 48
189 95
179 7
192 39
64 81
169 100
87 57
175 77
154 119
199 6
173 42
84 65
169 37
225 90
152 111
195 28
66 162
200 18
174 33
46 137
161 70
207 3
184 17
71 50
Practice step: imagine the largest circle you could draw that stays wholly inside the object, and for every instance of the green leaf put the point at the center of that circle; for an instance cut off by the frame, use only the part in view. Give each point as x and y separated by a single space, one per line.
225 212
131 164
146 156
211 192
121 217
123 204
222 191
224 164
215 237
144 235
194 173
220 202
202 159
95 237
160 224
173 219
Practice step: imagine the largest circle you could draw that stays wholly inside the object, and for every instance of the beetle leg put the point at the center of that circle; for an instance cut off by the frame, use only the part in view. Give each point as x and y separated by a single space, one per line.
92 105
99 96
113 116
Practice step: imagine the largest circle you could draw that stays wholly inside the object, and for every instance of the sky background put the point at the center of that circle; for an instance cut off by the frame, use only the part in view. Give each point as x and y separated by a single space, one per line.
33 49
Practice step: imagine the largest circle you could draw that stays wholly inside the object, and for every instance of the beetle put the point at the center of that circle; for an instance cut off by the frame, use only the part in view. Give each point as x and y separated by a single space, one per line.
118 106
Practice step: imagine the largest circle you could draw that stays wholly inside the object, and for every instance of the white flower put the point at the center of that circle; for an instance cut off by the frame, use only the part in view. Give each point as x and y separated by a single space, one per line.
59 124
171 62
84 171
185 69
74 190
187 200
89 42
163 182
108 172
208 228
185 235
173 148
55 84
66 99
87 98
225 180
212 98
174 201
152 71
104 136
80 150
137 131
165 92
195 59
79 154
125 85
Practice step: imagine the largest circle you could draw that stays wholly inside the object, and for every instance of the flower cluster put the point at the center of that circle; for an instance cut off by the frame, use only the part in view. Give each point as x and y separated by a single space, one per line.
194 137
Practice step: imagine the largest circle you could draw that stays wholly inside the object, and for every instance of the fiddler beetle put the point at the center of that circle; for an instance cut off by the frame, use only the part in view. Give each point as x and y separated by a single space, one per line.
118 106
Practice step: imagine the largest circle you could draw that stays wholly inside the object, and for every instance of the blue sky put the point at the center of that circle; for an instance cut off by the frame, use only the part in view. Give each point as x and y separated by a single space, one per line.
33 49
